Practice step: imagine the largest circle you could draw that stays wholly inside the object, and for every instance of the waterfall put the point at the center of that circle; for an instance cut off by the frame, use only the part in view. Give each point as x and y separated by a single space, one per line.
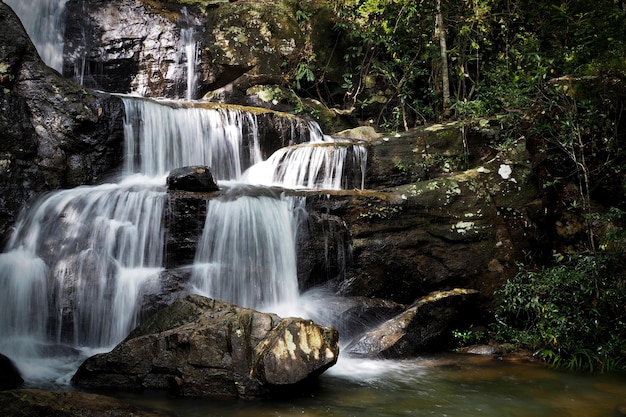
76 244
187 38
312 165
247 252
161 136
45 27
81 261
188 54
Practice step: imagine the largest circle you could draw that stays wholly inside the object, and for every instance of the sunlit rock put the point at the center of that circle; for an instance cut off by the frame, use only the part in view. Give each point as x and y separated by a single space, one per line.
204 347
424 327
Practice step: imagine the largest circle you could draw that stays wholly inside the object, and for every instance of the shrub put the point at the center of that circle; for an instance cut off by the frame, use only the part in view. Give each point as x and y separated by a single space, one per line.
572 314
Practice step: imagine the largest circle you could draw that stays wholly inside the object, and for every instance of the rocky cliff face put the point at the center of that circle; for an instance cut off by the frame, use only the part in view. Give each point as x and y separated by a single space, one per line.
129 46
55 133
151 47
241 52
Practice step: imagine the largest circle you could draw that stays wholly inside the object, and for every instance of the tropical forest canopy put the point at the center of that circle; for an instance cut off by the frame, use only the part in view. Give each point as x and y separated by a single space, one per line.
494 56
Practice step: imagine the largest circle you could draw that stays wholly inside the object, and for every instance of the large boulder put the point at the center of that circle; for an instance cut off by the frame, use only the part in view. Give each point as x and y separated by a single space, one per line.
54 132
204 347
425 326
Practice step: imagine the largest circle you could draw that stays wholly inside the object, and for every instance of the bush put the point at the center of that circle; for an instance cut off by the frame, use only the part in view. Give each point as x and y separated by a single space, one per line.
572 314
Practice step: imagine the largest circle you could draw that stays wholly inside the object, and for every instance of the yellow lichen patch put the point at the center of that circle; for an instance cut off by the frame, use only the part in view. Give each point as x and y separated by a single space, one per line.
463 227
285 347
329 353
311 340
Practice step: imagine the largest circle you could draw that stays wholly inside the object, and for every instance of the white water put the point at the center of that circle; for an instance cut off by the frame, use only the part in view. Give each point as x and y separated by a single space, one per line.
75 245
313 166
247 254
189 53
45 27
80 260
161 136
189 47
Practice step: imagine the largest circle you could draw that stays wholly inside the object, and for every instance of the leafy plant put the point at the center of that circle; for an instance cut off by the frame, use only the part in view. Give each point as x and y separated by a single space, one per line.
469 337
571 314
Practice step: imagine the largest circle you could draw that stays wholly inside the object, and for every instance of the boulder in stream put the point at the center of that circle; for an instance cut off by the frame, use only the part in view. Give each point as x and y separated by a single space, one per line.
423 327
204 347
192 178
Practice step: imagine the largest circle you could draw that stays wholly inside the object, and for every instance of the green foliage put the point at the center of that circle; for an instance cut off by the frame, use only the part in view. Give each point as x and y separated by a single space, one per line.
500 53
469 337
572 314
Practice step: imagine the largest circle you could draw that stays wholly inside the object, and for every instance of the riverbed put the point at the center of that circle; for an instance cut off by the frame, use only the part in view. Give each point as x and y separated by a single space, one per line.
449 385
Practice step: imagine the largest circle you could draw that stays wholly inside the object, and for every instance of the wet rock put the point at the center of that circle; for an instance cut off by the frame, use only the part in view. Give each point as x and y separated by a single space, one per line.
353 316
203 347
192 178
22 403
55 133
425 326
131 46
463 229
483 350
11 377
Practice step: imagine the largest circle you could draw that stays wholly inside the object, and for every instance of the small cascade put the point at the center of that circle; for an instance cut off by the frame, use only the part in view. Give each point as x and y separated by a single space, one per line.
317 165
45 27
247 252
161 136
76 244
189 54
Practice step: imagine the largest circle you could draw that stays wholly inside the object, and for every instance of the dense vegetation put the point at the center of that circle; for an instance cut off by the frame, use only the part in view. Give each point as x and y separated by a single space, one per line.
551 71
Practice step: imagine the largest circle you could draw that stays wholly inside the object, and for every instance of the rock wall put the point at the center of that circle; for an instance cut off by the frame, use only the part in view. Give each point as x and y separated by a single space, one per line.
54 132
127 46
465 228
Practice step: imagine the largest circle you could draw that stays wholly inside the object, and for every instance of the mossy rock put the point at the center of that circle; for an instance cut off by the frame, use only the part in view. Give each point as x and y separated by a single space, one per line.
261 35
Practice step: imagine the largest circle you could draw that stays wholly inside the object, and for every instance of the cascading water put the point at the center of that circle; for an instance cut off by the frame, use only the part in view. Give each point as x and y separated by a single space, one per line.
188 55
161 136
189 47
80 261
324 165
247 252
45 26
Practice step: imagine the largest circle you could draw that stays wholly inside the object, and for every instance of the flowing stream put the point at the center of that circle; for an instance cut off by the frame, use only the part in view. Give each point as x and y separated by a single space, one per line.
80 261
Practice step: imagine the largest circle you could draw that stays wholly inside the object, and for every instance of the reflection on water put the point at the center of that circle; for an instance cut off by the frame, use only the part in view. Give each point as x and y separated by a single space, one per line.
445 386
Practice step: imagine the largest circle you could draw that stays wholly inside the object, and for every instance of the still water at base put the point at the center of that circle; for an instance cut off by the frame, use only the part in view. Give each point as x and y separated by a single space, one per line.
444 385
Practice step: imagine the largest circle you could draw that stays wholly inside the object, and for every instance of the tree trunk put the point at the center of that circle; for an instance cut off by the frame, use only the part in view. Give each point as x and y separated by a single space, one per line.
440 33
